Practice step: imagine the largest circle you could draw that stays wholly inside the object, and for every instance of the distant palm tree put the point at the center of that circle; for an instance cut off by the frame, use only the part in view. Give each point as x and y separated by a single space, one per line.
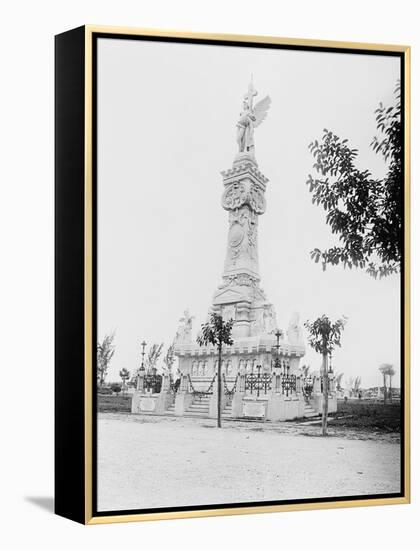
391 373
104 352
386 369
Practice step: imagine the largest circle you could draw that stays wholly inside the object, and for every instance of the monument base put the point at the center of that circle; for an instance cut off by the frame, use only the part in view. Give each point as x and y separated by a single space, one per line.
151 403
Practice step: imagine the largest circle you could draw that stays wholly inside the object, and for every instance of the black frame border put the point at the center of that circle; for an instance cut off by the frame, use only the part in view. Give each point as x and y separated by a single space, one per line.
195 41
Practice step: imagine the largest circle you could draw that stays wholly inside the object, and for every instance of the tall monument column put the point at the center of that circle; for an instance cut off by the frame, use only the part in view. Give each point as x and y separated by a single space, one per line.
243 198
240 297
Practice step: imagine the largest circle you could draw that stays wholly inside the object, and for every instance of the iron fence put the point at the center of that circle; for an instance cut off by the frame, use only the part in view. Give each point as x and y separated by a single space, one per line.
152 382
201 393
257 382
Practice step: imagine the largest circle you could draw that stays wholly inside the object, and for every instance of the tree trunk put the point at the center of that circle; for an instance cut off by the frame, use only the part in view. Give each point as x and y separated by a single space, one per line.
219 388
384 389
325 381
390 388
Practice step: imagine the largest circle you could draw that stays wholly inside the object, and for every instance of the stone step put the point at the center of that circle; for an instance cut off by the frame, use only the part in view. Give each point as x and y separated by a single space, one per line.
309 412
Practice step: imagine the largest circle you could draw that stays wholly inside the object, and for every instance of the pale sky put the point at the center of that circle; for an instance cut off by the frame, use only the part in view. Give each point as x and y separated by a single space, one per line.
167 118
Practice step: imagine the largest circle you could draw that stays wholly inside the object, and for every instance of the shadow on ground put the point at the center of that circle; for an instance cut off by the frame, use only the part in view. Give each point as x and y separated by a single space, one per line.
46 503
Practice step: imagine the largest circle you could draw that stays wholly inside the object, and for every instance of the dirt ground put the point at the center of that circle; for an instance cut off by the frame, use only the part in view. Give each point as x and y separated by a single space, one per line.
147 462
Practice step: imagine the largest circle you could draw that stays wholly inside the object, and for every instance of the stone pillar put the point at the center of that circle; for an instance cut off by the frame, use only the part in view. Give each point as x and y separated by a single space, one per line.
184 397
237 400
298 385
165 397
140 381
242 322
166 383
316 399
184 385
276 408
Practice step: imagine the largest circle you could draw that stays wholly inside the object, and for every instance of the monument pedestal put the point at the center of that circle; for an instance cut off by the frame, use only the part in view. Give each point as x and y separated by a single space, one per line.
213 404
152 403
237 405
182 402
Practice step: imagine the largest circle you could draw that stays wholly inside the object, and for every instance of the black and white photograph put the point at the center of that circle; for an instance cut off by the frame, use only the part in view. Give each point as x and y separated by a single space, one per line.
210 245
248 274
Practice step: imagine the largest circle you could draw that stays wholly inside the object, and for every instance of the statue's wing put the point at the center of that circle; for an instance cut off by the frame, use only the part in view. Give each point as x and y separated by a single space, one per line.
260 110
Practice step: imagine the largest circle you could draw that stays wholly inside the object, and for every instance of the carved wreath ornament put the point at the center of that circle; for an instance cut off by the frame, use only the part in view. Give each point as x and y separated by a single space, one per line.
244 192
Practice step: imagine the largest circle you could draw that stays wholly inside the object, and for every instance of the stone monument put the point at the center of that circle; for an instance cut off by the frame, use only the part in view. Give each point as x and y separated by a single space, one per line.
260 371
240 296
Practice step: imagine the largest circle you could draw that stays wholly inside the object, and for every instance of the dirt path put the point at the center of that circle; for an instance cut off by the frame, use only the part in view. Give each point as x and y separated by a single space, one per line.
146 462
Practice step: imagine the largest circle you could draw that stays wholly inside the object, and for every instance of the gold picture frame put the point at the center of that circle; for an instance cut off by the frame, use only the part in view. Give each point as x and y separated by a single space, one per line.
74 496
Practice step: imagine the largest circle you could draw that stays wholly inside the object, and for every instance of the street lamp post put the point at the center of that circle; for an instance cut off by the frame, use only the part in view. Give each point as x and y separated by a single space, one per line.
141 369
277 334
143 345
330 375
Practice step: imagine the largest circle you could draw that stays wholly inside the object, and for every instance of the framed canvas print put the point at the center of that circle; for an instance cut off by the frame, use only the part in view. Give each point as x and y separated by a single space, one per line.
232 274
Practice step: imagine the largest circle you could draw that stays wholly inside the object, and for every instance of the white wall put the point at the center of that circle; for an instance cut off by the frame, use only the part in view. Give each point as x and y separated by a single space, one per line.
26 275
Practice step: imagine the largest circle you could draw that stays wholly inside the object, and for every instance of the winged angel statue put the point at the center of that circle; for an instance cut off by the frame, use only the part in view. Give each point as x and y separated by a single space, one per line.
250 118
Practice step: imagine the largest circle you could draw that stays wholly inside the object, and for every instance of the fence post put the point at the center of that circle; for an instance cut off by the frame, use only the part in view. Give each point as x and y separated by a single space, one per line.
166 383
184 383
140 381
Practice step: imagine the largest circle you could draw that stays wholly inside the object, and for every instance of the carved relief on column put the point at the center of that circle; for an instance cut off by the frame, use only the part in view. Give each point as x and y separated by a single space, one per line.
242 251
244 191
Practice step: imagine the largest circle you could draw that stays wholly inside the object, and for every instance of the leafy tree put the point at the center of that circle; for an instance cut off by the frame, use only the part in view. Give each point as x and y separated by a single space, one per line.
349 384
153 356
338 380
217 332
357 382
104 353
124 375
305 370
169 358
116 388
366 213
324 337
